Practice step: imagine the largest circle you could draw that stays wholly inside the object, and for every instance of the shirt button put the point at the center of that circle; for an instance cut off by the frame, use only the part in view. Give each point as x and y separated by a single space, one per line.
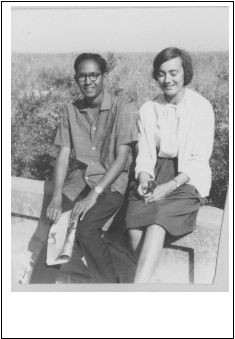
93 148
94 128
86 178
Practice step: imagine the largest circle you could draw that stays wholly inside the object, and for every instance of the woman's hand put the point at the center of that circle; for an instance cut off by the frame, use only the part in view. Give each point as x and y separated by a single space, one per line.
161 191
143 184
83 206
54 209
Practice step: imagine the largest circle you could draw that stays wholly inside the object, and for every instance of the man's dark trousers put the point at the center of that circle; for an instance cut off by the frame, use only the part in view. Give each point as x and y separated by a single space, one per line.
89 239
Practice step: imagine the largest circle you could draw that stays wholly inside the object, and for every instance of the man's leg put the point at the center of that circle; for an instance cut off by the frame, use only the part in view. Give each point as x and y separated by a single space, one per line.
42 273
89 237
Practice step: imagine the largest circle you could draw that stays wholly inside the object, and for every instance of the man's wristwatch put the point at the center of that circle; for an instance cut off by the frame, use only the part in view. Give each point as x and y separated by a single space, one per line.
176 182
98 189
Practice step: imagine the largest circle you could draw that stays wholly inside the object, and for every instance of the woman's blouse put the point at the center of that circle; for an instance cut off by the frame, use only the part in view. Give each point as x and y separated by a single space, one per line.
185 130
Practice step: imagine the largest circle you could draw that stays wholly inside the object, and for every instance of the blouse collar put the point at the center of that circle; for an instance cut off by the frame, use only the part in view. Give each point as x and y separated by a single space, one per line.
161 100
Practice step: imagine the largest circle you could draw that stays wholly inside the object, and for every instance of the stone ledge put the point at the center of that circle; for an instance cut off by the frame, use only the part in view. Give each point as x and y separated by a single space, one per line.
27 196
27 200
27 185
190 259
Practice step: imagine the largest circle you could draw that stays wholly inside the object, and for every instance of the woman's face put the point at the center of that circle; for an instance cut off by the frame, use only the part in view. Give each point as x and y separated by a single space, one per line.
170 77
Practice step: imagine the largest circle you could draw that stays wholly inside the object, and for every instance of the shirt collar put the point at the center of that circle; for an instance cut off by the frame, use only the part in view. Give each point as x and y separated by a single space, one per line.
106 103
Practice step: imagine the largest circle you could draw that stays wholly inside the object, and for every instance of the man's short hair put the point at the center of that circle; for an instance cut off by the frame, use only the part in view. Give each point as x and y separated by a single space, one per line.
91 56
171 53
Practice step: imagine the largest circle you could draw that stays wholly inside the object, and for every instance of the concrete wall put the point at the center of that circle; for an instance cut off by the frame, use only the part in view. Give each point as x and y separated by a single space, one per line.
191 259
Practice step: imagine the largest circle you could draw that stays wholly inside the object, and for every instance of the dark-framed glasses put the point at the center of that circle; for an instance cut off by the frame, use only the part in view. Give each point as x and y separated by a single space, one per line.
92 76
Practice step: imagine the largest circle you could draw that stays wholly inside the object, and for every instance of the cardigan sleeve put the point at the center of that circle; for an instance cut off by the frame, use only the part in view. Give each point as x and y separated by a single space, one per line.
198 161
147 156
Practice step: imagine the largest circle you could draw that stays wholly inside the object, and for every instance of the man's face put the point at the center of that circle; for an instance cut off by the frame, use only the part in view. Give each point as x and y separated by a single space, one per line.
89 79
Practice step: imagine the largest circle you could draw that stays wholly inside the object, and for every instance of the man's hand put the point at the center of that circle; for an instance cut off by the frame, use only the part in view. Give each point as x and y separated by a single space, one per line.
54 209
161 191
83 206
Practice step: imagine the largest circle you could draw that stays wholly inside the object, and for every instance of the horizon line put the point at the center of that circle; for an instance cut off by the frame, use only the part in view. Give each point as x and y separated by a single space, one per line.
117 52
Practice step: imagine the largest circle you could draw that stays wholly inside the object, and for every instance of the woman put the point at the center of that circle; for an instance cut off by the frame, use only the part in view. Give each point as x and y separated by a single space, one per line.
176 132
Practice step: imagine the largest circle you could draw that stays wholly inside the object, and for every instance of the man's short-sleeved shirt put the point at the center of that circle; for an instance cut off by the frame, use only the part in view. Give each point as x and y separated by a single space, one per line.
95 143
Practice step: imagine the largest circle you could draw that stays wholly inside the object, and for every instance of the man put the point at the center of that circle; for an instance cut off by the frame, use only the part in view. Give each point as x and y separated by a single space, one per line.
100 129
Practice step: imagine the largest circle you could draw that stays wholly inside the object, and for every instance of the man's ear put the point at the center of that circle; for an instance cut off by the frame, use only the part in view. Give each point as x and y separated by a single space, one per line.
104 78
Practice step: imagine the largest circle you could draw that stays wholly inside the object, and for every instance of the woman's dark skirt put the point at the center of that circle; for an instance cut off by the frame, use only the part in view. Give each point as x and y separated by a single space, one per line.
176 213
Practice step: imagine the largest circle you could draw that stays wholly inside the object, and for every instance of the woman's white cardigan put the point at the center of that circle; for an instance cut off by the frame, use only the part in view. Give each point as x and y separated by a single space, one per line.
195 139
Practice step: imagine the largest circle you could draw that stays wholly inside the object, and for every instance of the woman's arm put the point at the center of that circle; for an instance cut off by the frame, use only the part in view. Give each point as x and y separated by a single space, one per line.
147 156
197 161
161 191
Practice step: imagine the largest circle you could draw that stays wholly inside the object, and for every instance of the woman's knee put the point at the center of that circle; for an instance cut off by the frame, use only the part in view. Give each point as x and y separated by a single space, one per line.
154 228
155 234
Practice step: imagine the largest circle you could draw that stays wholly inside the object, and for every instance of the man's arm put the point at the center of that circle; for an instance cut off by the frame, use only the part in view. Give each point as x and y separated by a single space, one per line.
54 209
83 206
116 168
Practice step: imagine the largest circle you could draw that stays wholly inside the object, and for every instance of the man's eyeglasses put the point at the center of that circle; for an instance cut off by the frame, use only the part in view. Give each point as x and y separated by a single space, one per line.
92 76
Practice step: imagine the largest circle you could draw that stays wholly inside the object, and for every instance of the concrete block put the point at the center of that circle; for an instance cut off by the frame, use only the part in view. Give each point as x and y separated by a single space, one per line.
192 259
209 217
27 196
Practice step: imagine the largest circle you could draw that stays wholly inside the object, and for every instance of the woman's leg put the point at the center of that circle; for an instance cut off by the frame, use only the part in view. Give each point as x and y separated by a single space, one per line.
150 253
135 237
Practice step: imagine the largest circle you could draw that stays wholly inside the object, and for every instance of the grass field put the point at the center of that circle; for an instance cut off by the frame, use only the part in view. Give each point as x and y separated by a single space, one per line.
43 84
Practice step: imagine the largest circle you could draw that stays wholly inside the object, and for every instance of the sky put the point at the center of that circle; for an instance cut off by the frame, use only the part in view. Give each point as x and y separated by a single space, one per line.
53 30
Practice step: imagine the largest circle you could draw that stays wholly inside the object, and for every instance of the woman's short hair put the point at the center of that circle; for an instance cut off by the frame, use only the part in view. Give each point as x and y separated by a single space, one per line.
171 53
91 56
